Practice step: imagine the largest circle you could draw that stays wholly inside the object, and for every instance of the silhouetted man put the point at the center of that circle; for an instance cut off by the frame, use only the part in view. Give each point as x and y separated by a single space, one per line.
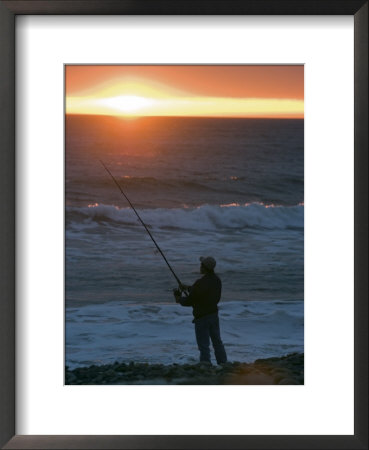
204 297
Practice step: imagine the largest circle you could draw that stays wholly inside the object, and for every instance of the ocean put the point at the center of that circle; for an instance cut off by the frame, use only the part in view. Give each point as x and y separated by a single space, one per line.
229 188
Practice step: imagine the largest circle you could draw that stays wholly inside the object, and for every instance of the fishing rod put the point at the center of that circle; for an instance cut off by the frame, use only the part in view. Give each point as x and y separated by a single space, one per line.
148 231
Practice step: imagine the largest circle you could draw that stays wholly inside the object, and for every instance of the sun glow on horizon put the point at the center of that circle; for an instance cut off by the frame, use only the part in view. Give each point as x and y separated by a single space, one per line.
126 103
137 97
134 105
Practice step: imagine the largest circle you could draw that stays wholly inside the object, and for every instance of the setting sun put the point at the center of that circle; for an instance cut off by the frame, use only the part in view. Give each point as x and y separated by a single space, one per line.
127 103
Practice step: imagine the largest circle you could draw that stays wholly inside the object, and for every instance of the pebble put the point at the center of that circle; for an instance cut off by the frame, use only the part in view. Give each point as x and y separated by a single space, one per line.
288 369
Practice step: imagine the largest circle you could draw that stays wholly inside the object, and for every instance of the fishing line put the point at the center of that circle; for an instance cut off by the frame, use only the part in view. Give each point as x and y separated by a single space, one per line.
142 222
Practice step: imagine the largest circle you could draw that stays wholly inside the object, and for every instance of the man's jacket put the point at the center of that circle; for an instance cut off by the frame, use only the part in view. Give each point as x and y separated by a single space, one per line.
204 295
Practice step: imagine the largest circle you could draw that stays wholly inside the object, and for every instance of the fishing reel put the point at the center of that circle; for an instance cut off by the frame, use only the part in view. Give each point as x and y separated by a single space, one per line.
181 289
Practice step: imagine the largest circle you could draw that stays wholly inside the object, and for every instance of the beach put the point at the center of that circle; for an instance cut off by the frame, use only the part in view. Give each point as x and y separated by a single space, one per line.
286 370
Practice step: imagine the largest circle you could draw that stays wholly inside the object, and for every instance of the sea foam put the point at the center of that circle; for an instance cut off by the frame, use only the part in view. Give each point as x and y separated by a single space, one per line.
205 217
163 333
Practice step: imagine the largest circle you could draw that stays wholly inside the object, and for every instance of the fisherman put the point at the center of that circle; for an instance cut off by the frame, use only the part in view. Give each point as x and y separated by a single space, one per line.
204 297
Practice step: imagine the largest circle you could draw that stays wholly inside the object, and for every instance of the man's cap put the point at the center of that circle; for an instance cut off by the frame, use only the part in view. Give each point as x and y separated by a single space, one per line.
208 262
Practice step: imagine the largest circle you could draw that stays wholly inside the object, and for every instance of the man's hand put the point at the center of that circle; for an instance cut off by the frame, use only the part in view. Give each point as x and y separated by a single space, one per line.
183 287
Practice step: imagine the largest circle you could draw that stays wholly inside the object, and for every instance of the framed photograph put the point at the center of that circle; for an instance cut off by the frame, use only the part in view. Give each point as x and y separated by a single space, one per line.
212 156
199 160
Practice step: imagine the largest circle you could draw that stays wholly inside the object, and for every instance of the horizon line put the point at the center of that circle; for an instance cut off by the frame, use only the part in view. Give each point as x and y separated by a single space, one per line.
134 117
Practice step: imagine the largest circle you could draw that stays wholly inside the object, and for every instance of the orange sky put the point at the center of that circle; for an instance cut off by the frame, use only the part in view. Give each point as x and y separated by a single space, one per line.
221 91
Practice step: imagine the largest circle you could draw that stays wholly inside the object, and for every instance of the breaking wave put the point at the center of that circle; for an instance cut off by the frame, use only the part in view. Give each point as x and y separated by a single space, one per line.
206 217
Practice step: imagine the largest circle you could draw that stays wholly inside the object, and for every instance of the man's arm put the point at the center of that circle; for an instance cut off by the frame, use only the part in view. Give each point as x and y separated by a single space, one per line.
190 299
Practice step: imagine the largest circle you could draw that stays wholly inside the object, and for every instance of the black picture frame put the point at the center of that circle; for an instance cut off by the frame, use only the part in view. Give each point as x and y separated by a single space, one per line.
8 12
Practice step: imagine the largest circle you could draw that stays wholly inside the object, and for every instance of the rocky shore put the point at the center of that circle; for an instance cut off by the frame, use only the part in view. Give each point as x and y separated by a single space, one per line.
285 370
